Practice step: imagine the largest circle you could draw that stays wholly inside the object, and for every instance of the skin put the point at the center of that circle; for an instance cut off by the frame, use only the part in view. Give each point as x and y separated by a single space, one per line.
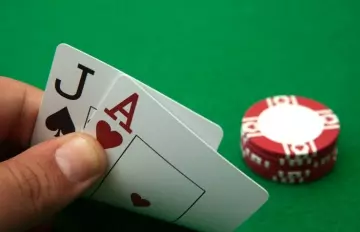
33 186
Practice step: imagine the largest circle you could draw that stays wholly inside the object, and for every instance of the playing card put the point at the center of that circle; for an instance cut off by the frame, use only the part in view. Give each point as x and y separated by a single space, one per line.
77 81
210 132
161 168
140 181
207 130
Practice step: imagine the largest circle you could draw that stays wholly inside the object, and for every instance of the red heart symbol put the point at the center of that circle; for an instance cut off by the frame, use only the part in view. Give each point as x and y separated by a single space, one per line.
138 201
106 137
299 147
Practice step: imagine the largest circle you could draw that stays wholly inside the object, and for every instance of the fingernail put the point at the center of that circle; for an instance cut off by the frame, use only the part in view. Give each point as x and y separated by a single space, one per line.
78 160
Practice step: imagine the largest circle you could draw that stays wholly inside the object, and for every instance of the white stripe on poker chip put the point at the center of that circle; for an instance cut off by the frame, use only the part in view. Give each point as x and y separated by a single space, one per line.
327 111
286 149
292 163
280 173
294 174
332 127
249 127
255 158
308 161
252 135
269 102
266 164
293 100
250 119
313 147
282 161
295 162
299 162
244 153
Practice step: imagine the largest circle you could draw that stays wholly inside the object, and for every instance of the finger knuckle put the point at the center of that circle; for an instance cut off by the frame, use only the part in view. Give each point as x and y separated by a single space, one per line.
32 185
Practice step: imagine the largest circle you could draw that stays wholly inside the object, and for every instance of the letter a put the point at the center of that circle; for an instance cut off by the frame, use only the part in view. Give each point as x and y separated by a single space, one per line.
132 99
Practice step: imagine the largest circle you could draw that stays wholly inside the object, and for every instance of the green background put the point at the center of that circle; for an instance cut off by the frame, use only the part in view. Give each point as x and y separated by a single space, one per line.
217 58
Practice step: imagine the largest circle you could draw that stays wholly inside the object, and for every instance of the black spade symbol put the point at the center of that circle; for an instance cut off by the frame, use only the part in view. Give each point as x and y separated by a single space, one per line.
60 122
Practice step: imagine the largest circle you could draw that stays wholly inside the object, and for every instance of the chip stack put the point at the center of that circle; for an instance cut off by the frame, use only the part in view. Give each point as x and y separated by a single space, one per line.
290 139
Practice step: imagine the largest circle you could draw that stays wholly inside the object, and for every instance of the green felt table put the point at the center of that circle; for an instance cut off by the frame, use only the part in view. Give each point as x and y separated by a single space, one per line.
217 58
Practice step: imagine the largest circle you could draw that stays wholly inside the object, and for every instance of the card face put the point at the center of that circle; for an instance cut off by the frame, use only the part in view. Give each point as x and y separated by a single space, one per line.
229 197
207 130
76 82
149 184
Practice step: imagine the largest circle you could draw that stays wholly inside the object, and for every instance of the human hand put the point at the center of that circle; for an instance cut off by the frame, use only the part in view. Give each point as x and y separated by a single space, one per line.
37 182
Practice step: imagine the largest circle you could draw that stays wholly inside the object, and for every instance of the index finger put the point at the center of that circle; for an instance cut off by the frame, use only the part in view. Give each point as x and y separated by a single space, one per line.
19 106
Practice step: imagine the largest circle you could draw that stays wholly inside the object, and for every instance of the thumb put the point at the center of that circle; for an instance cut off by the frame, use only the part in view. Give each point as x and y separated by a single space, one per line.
45 178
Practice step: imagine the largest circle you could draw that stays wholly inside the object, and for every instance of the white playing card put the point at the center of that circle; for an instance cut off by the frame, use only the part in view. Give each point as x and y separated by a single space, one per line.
210 132
201 190
163 197
207 130
76 82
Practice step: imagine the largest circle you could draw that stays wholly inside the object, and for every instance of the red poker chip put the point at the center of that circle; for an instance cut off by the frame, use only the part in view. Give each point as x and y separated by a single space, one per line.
266 164
296 162
272 171
275 156
292 177
290 127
